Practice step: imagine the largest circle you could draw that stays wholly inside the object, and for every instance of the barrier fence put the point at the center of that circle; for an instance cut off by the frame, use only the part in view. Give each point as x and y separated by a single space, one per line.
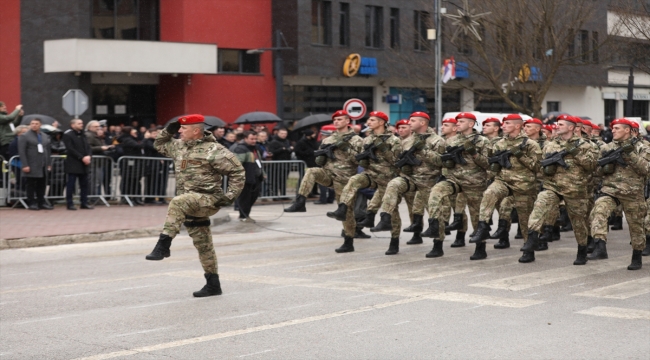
135 180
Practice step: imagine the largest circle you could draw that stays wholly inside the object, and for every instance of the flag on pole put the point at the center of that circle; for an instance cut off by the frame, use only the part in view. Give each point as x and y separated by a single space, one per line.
448 70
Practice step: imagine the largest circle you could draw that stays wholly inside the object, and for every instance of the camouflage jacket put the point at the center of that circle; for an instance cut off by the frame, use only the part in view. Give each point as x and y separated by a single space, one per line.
383 170
521 177
572 182
345 165
472 175
493 141
426 174
201 164
627 182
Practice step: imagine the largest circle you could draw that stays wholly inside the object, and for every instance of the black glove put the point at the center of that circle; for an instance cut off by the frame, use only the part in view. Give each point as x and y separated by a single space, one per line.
173 127
517 152
470 147
223 201
419 143
628 147
572 150
342 145
321 160
382 145
365 163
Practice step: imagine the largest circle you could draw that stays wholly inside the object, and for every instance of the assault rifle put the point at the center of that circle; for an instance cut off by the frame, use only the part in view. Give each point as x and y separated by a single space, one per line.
369 151
328 149
501 157
614 156
555 158
455 154
408 158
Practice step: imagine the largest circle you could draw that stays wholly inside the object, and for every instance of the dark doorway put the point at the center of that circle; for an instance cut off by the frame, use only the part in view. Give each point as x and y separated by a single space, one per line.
123 104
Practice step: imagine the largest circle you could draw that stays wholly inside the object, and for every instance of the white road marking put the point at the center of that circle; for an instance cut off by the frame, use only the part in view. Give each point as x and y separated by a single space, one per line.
241 316
624 290
257 353
401 323
358 296
533 294
22 273
134 287
546 277
310 265
301 306
79 294
44 319
141 332
581 284
154 304
614 312
474 307
80 279
360 331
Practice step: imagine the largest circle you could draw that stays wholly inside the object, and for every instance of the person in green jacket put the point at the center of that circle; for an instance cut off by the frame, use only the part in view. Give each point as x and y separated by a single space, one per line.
6 131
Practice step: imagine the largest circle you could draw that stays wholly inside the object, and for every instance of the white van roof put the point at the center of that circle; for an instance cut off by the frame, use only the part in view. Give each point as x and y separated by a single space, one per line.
481 116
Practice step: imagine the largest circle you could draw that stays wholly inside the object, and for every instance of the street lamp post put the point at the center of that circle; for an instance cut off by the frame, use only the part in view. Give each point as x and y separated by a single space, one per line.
630 93
438 65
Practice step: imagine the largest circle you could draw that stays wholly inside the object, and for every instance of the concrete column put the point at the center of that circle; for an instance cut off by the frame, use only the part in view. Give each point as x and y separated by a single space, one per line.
466 100
379 100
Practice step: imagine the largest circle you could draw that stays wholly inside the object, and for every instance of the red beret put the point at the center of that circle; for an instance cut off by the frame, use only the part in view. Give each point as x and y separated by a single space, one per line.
191 119
512 117
568 118
402 122
595 127
450 120
623 121
420 114
339 113
466 115
380 115
577 120
547 127
534 121
586 122
491 119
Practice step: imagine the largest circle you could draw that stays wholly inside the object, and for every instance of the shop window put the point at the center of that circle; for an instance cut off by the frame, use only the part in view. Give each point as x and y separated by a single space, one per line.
344 24
394 28
639 109
321 22
125 19
238 61
374 28
421 22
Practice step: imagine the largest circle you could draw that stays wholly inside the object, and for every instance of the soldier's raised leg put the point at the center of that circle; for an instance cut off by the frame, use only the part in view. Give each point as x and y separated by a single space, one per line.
312 176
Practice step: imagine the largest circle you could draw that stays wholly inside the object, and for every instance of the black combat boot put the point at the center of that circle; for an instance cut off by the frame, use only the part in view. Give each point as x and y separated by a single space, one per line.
502 229
618 223
211 288
519 235
636 260
340 213
359 234
556 233
563 220
416 225
503 243
646 251
457 223
482 232
547 233
447 231
531 244
479 253
415 240
393 248
437 250
610 219
385 224
581 258
298 205
348 245
460 239
567 227
433 230
527 257
590 244
161 250
600 250
541 245
514 217
369 221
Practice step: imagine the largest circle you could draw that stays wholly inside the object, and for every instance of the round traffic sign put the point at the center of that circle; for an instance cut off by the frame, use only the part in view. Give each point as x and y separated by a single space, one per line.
355 108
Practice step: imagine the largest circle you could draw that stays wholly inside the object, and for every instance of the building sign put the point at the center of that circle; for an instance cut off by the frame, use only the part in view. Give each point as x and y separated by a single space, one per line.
355 64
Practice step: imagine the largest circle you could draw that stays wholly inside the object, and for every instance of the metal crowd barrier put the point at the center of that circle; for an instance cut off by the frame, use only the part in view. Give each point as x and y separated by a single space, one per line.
4 177
282 178
144 178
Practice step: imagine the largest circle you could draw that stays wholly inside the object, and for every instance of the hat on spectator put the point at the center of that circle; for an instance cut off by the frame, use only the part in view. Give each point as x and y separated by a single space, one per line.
513 117
466 115
491 119
338 113
420 114
192 119
534 121
450 120
401 122
379 114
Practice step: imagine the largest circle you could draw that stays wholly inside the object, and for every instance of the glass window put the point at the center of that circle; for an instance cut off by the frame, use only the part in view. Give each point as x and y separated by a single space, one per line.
125 19
421 21
321 22
394 28
344 24
552 106
594 47
238 61
229 60
374 29
610 110
301 101
250 63
584 45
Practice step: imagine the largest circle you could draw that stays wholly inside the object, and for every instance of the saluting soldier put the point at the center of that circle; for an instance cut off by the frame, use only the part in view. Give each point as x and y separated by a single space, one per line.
336 158
200 164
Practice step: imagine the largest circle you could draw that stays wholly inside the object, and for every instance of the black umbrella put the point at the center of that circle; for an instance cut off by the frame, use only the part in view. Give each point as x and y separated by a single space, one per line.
210 121
258 117
46 120
312 120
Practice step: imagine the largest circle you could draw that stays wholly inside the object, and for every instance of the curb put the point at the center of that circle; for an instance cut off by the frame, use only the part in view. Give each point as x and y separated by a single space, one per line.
93 237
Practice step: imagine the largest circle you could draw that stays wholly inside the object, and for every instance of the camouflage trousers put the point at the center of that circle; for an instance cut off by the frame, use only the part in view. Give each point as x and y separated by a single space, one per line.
548 202
618 211
195 210
498 191
397 189
322 177
505 209
647 217
459 204
635 212
439 200
362 181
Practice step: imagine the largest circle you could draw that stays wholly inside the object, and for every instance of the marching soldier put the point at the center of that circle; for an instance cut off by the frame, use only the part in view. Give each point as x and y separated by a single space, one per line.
337 165
381 151
568 161
418 174
516 163
465 171
622 184
404 132
200 164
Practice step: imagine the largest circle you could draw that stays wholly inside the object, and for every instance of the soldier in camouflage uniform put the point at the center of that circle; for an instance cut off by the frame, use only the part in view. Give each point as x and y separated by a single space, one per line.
200 163
334 172
622 185
404 132
515 177
568 183
465 171
381 151
417 175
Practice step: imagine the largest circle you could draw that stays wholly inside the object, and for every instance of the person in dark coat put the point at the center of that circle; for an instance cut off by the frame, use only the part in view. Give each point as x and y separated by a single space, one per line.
57 177
156 171
34 151
304 149
280 149
77 163
131 169
250 157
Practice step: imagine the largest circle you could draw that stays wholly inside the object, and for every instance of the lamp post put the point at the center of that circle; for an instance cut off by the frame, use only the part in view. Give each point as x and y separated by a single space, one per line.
278 69
438 65
630 93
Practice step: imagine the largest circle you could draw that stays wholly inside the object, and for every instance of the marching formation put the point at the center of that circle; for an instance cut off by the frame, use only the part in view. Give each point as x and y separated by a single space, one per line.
550 178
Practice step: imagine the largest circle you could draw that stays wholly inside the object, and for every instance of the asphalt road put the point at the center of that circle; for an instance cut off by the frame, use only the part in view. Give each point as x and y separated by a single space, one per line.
289 296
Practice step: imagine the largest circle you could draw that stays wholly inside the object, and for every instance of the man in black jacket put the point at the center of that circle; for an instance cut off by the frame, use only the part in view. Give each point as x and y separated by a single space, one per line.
304 149
77 163
34 151
250 157
281 149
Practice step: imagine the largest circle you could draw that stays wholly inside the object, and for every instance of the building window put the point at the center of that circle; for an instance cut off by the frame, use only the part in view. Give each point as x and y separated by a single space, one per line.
594 47
321 22
421 23
238 61
610 110
552 106
394 28
344 24
374 28
301 101
639 109
125 19
583 42
571 46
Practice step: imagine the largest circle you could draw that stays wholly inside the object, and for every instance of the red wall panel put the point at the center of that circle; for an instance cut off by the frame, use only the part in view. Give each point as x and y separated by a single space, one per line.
234 24
10 58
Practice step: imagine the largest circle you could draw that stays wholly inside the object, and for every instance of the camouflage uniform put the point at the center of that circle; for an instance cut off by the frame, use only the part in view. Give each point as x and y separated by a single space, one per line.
376 175
336 173
570 185
506 205
519 181
469 179
200 166
624 187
